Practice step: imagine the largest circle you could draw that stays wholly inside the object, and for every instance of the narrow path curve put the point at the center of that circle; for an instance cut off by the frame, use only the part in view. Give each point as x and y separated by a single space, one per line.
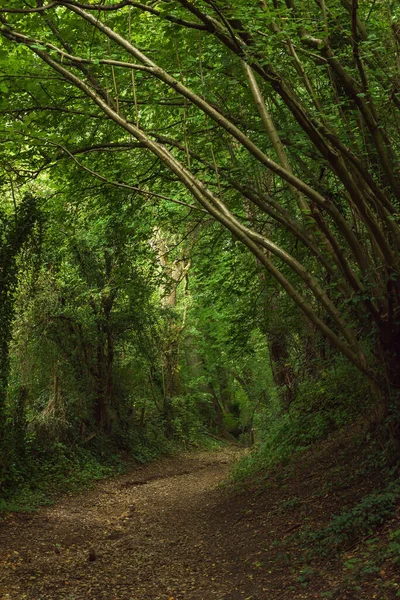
147 535
168 531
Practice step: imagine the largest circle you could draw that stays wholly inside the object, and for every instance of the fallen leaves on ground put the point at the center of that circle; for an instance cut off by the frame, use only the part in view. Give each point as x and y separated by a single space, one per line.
168 531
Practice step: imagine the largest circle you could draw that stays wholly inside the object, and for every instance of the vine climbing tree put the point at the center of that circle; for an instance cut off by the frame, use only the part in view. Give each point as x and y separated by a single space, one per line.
16 228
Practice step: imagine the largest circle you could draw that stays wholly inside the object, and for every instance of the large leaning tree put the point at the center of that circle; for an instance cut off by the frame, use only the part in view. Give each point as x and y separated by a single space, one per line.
280 119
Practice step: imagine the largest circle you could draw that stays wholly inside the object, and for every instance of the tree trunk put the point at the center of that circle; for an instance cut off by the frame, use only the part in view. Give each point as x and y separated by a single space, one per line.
282 370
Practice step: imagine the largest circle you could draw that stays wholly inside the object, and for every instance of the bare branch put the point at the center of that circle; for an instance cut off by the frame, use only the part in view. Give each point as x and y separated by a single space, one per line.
144 7
37 9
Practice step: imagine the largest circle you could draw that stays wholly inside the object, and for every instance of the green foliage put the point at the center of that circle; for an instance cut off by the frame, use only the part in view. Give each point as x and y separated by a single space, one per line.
393 551
321 406
333 399
14 232
187 423
351 526
305 575
43 475
279 444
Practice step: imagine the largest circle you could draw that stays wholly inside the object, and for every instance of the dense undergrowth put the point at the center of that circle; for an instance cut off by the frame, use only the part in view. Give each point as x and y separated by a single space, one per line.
322 406
358 523
362 539
41 476
334 512
359 535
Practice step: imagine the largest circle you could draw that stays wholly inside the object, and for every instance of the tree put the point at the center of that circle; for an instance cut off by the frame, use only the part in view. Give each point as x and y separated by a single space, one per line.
16 229
322 219
89 317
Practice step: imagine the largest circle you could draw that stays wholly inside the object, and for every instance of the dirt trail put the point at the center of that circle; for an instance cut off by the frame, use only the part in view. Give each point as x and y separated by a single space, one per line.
145 535
168 531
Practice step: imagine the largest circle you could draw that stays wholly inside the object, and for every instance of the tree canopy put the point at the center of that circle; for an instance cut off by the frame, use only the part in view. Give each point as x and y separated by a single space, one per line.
209 172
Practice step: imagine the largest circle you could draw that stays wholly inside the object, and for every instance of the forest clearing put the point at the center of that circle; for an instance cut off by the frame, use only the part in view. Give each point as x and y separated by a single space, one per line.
199 260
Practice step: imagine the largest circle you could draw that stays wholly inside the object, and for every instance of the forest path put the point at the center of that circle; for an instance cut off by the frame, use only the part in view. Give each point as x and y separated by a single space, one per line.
169 531
145 535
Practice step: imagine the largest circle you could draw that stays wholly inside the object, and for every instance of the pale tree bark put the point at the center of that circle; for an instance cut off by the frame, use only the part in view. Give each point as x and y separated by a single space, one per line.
175 271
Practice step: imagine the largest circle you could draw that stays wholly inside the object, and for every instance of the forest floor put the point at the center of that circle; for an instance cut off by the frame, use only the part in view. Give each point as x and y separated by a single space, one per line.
169 531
